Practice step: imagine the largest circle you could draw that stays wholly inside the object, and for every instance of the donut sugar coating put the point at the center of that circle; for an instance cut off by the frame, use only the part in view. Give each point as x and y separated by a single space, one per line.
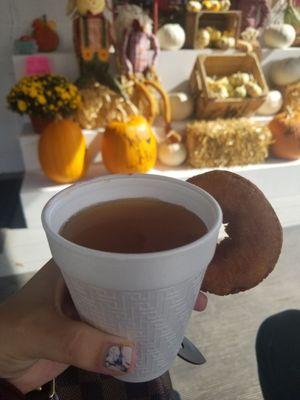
254 242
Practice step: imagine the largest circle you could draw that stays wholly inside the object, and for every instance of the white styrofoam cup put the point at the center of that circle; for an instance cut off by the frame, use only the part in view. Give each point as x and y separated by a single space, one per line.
147 298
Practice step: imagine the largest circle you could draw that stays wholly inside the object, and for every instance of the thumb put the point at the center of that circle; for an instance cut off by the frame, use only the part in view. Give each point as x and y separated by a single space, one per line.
75 343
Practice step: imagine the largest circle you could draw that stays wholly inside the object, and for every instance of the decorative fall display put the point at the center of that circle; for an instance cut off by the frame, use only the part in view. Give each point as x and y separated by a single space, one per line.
237 85
227 86
62 151
100 106
285 72
135 38
140 82
129 147
224 143
285 128
44 96
172 151
45 35
279 36
210 29
212 37
272 104
92 41
171 37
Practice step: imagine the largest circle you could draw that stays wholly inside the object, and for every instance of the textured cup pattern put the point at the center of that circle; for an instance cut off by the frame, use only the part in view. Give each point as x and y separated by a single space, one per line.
155 319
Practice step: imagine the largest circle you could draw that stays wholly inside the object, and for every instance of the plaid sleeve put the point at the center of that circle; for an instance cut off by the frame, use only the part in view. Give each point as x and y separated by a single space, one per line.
9 392
155 47
76 384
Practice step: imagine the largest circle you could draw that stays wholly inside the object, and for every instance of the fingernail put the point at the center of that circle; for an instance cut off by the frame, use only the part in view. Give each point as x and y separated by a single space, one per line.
119 358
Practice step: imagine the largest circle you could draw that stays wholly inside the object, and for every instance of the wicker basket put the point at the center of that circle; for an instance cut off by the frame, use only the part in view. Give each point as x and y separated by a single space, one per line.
208 107
230 142
223 21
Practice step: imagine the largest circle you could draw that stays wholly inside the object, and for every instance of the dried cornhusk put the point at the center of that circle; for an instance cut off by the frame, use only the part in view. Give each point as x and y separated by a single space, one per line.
229 142
100 106
291 96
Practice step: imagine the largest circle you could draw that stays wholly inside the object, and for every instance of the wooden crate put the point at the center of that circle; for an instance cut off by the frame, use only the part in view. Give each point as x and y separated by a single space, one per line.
223 21
208 107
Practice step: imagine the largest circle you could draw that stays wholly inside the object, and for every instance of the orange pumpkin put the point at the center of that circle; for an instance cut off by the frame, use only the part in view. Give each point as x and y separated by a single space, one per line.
285 128
62 151
129 147
45 36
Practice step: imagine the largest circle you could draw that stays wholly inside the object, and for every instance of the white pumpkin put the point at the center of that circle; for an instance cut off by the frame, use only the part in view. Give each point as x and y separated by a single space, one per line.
182 106
172 154
272 104
279 35
285 72
171 37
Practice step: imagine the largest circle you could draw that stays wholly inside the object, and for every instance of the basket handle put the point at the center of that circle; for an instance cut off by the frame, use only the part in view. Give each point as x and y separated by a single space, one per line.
203 76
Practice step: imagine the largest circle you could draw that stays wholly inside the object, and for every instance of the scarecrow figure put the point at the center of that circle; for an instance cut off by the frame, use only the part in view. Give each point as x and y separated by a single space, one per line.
92 40
254 12
135 39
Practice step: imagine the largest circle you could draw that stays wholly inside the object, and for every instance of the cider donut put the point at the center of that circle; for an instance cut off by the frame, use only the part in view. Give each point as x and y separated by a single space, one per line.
252 248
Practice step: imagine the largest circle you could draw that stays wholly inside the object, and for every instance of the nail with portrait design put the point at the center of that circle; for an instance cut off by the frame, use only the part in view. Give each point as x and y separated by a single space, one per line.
119 358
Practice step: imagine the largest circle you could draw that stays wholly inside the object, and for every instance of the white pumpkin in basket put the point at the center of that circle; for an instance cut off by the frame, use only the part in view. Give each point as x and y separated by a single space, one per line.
272 104
171 37
182 106
285 72
279 35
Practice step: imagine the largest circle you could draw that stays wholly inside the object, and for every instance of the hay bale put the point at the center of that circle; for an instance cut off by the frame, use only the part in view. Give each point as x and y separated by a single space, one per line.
224 143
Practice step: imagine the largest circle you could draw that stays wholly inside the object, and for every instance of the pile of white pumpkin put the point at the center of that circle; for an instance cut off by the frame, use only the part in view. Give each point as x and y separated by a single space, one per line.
279 36
282 73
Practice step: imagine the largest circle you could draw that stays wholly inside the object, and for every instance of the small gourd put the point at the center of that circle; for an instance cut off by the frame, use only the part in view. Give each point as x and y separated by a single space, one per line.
194 6
129 147
240 92
272 104
279 35
171 37
285 128
172 152
203 38
285 72
239 79
223 43
212 5
62 151
253 89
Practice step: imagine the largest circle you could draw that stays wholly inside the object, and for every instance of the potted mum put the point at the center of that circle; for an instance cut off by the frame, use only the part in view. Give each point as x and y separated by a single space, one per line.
44 98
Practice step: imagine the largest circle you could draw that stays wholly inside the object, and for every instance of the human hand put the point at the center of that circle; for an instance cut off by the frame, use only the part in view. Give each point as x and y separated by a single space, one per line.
41 336
201 302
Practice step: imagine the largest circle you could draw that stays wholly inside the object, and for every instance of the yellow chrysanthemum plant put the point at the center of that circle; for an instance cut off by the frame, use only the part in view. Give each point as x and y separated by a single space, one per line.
47 96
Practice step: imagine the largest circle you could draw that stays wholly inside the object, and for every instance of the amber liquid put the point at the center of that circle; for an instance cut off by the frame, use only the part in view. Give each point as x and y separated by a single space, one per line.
140 225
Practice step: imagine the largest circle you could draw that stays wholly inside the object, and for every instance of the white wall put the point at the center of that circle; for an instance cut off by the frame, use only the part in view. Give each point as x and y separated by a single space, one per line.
15 20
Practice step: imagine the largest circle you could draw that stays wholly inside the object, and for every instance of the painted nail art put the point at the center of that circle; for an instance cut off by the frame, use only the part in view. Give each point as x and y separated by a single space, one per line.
119 358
